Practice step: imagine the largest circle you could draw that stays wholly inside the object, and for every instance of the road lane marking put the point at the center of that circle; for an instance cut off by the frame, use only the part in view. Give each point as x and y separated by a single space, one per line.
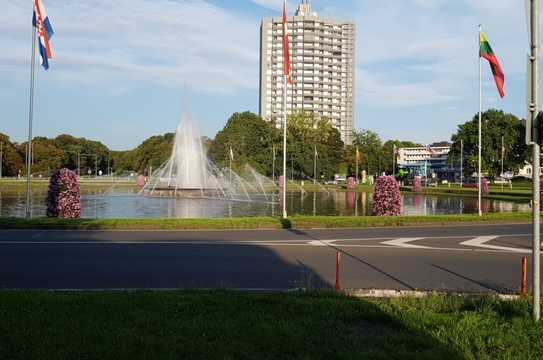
405 243
481 242
478 244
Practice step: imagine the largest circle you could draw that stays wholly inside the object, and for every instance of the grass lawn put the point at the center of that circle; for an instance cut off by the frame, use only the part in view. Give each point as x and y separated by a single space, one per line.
495 193
229 325
86 185
294 222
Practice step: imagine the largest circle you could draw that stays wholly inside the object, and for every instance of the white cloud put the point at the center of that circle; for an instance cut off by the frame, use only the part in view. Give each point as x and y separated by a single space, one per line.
379 91
164 42
271 4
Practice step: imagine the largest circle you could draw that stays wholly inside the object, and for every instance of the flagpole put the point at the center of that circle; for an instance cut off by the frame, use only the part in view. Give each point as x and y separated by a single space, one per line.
461 163
356 161
273 164
28 208
284 194
315 166
230 164
480 121
286 73
503 153
394 161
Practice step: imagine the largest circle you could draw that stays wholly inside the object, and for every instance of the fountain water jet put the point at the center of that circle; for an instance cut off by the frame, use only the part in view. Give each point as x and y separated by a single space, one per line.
189 173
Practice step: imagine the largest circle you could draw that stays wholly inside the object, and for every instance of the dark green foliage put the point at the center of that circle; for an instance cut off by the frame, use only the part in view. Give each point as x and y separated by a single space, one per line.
12 161
495 124
251 140
152 153
307 132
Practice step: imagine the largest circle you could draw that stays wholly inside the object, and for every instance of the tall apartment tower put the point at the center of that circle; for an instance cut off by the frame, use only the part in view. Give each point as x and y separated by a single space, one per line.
323 64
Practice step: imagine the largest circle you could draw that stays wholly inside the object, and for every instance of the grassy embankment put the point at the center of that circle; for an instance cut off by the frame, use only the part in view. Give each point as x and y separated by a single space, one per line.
86 185
295 222
230 325
520 194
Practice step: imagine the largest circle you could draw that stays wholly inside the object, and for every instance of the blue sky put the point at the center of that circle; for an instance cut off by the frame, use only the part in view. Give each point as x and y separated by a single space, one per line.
124 68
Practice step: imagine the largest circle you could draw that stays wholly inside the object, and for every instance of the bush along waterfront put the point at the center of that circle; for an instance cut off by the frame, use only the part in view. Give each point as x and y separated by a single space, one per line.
418 184
64 195
387 200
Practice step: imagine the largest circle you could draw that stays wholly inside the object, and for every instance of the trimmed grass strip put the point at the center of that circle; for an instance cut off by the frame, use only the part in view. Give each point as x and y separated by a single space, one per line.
296 222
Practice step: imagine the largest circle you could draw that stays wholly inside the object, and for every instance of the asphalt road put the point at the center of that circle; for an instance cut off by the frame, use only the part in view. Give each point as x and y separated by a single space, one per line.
457 258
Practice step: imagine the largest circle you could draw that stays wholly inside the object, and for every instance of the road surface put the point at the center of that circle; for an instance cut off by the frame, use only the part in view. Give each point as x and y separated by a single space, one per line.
456 258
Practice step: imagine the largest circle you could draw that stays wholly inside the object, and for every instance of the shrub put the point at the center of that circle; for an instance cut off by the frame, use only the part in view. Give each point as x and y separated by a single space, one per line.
417 186
64 195
484 186
387 200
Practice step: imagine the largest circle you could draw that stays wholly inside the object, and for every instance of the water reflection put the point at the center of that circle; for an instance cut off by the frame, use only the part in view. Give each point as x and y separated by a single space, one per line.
127 204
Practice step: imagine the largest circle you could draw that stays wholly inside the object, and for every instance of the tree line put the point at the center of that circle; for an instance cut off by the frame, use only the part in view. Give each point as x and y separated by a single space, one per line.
258 143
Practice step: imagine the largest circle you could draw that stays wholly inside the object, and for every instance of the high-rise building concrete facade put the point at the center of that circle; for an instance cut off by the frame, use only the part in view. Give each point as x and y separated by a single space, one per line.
323 66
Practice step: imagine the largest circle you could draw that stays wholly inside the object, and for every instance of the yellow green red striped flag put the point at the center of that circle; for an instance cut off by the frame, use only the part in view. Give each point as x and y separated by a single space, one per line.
485 51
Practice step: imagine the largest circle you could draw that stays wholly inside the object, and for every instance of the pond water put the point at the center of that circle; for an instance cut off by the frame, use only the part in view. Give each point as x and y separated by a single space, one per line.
128 204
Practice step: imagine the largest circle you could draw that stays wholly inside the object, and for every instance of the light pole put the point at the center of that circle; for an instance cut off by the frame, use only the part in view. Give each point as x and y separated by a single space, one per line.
107 170
534 111
88 155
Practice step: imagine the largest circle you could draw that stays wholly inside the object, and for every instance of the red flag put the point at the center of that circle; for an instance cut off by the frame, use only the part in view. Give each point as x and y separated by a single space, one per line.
286 49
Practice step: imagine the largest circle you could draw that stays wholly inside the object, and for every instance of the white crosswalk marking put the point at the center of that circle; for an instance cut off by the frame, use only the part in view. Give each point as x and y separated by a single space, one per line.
481 242
405 243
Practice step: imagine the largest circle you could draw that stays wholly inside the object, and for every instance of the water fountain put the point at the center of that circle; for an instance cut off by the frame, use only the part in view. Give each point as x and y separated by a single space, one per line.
189 173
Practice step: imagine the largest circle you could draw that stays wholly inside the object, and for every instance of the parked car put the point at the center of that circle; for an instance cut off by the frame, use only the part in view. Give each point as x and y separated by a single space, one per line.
471 183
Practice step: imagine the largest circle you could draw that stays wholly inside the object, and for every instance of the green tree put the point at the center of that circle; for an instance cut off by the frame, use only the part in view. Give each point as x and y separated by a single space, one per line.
251 139
371 151
495 124
92 155
12 159
306 132
47 158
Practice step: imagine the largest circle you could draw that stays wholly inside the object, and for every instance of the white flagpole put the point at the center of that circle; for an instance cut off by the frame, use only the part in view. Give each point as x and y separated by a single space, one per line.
230 156
315 165
480 120
394 161
28 205
285 80
356 162
273 164
461 163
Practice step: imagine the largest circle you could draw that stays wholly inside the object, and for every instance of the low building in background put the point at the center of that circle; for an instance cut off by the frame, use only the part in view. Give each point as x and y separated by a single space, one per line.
427 161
